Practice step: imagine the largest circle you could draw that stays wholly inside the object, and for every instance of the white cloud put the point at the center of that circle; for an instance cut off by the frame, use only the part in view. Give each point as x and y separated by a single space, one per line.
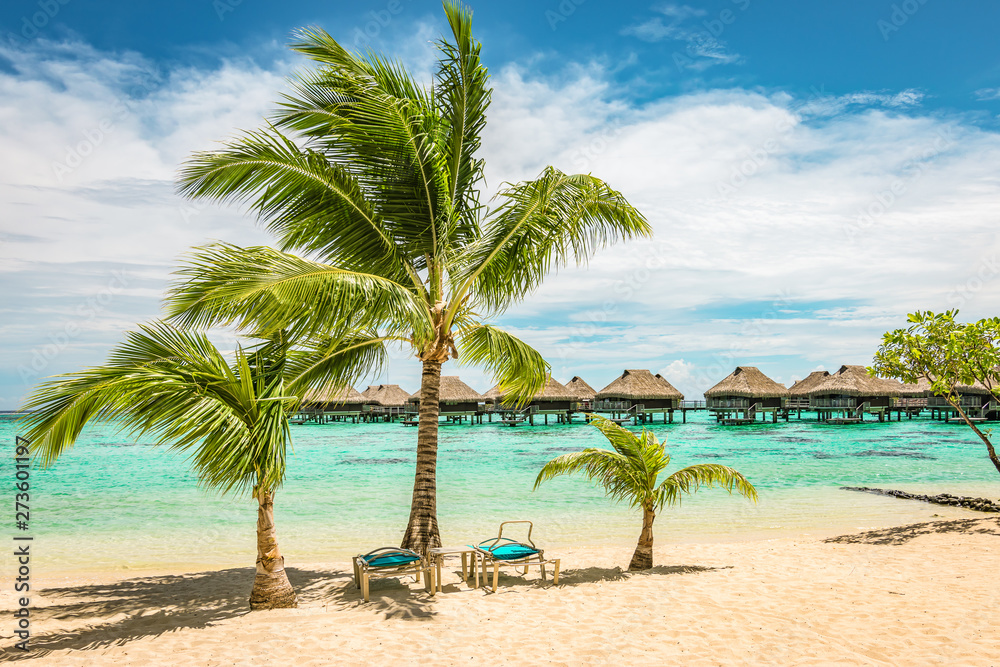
704 46
789 232
987 94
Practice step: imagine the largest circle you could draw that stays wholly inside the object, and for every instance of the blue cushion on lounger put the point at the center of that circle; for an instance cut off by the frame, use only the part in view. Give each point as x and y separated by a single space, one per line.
391 560
510 551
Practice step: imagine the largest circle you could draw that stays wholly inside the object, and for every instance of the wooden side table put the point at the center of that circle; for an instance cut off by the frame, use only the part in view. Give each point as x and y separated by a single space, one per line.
438 555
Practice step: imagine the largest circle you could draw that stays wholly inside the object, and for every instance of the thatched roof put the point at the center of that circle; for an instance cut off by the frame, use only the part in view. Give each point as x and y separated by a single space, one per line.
453 390
553 391
855 381
923 388
581 388
639 384
808 383
748 382
386 395
347 395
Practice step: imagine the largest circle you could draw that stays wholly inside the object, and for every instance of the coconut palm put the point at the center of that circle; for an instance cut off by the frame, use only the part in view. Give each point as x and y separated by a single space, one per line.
231 416
371 182
631 473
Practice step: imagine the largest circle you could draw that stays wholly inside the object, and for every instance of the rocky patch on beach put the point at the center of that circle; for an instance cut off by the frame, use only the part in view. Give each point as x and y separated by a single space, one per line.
978 504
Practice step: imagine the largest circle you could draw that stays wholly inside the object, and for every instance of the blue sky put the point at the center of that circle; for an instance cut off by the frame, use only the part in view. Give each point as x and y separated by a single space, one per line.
813 170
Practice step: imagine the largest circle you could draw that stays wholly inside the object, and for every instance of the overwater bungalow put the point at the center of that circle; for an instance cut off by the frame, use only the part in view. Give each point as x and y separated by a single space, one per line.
386 401
975 400
329 406
554 399
798 393
457 400
638 393
850 393
584 392
744 394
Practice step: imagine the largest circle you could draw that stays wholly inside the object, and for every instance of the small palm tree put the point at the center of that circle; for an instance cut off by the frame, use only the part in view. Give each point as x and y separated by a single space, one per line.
631 472
232 417
372 183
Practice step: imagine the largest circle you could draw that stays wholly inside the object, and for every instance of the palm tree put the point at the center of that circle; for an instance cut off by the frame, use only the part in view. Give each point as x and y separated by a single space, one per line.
374 180
232 417
631 473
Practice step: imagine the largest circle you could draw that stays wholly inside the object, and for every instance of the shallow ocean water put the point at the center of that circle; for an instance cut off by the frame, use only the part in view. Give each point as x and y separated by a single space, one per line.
112 503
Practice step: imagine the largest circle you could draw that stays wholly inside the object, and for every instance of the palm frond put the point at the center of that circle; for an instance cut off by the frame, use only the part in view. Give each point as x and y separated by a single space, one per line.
264 290
177 387
309 203
541 225
334 363
518 368
688 480
462 96
611 470
369 116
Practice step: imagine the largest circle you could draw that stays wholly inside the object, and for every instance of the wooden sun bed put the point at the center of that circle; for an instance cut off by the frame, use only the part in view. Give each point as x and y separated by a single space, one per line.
503 551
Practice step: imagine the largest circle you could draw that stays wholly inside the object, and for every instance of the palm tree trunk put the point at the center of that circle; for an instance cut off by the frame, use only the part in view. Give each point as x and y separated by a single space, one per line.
642 559
422 530
271 588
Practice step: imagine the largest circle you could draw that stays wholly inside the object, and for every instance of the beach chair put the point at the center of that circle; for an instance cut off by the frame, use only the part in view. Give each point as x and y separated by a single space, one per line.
391 562
503 551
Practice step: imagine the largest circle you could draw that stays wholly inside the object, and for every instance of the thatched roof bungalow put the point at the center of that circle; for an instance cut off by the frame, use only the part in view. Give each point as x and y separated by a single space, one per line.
850 387
386 395
554 397
744 388
802 387
346 400
454 397
640 387
581 389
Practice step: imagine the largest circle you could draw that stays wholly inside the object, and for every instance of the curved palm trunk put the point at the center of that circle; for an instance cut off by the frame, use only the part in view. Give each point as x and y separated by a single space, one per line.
422 530
271 588
642 559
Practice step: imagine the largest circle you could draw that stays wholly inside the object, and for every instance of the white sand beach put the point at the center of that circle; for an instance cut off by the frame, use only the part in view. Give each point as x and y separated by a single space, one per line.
911 595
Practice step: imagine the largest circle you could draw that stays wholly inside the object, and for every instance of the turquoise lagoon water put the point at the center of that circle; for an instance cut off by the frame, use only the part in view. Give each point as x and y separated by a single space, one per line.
113 503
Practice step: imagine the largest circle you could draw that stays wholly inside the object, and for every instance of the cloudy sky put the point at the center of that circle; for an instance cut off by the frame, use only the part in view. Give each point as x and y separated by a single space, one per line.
813 173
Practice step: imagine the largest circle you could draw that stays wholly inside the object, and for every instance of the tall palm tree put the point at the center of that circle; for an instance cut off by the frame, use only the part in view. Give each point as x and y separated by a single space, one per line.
631 473
232 416
374 180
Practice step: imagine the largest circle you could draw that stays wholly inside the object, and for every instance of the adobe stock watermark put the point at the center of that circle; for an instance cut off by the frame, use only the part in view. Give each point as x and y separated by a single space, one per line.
654 257
584 157
380 20
699 42
758 156
562 12
92 138
899 15
911 171
986 272
42 355
223 7
723 362
32 24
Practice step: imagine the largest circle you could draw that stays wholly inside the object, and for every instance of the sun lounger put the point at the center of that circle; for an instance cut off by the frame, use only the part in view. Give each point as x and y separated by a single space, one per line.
391 562
503 551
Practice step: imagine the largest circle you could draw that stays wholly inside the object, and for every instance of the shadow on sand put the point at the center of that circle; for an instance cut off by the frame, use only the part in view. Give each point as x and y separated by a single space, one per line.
125 611
120 612
903 534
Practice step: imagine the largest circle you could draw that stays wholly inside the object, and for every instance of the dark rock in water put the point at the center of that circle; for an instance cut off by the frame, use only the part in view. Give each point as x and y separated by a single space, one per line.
977 504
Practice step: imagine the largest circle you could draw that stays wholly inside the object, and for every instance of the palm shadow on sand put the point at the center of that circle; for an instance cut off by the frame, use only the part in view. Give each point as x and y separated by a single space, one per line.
903 534
589 575
125 611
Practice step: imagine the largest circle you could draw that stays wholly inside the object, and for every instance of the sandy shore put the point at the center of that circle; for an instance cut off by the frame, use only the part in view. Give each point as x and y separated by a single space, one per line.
919 594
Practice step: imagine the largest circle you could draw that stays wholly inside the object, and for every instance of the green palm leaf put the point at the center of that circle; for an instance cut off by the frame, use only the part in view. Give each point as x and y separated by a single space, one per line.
631 474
